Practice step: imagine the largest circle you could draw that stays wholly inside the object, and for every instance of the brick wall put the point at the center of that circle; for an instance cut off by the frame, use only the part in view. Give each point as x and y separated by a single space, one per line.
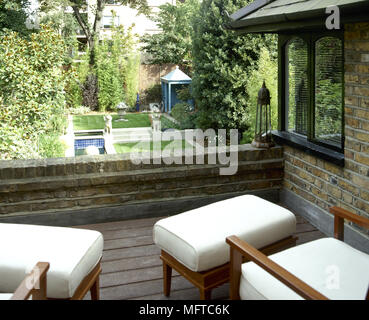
322 183
89 182
150 75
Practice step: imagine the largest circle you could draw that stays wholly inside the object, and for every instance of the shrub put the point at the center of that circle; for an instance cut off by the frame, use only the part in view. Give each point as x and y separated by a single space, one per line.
168 124
189 122
266 69
131 79
74 94
13 16
152 94
32 80
50 145
32 95
173 44
73 89
79 110
182 112
117 69
15 144
90 92
108 78
184 93
221 62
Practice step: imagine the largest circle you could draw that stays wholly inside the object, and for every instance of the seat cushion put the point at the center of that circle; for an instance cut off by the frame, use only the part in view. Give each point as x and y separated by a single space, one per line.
72 254
330 266
197 238
5 296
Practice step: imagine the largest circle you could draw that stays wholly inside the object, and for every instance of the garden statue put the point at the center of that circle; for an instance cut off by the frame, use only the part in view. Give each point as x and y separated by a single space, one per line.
121 107
108 124
156 123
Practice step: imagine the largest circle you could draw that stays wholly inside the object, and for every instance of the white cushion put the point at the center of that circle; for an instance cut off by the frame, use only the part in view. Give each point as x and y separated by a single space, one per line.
197 238
330 266
5 296
72 254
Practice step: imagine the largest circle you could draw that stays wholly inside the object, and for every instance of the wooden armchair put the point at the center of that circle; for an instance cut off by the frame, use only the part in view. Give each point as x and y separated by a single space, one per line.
34 284
74 256
286 281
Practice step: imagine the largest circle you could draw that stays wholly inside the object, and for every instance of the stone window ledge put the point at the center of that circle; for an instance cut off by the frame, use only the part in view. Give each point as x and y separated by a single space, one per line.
282 137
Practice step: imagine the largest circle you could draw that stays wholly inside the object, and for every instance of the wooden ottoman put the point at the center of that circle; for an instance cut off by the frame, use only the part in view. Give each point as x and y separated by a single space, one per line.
193 242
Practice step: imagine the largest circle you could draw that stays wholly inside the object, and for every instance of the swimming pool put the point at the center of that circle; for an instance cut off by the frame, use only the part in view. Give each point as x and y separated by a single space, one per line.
81 144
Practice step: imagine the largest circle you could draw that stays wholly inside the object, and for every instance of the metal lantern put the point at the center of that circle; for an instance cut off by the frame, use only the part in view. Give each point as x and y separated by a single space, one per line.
263 126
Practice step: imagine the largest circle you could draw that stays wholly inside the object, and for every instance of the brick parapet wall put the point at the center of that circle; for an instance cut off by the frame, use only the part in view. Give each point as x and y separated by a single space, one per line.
56 185
320 182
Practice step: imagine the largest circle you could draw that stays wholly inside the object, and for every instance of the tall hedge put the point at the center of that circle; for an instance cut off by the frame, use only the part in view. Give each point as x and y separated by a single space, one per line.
32 93
117 69
221 63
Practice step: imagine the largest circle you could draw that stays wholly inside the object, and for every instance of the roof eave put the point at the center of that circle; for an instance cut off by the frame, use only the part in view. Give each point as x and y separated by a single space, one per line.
308 19
176 81
252 7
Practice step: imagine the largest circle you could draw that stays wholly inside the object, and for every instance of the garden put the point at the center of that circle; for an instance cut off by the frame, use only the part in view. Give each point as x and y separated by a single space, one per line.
45 79
136 135
92 122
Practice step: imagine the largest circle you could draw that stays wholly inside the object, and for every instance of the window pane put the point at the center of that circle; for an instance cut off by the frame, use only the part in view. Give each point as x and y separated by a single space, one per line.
108 21
297 86
328 90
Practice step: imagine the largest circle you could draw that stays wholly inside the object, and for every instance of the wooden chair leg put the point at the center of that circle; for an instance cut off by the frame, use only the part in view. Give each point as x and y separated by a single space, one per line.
205 294
95 289
167 278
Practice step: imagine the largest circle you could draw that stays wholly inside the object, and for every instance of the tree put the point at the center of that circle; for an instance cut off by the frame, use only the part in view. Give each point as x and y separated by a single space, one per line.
174 43
32 96
56 15
13 15
266 70
221 63
90 86
117 69
92 33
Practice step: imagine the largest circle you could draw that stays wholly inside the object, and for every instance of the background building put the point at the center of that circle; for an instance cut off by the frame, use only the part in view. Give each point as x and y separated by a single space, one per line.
127 17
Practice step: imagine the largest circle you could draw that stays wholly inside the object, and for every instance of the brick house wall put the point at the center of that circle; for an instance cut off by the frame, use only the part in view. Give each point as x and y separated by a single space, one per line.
323 184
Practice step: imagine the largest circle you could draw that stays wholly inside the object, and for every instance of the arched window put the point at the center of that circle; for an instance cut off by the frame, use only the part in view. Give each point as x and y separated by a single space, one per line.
311 91
296 86
328 90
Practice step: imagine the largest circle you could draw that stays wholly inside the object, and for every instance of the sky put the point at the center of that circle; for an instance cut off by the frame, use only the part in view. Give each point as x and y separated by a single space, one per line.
34 4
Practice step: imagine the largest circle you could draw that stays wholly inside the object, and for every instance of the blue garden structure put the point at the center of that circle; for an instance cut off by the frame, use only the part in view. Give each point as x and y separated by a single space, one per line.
170 84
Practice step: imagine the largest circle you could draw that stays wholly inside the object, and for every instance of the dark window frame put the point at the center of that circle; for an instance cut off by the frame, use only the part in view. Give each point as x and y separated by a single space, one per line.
284 135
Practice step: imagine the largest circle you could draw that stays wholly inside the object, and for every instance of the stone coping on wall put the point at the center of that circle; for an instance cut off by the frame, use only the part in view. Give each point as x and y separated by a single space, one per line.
63 167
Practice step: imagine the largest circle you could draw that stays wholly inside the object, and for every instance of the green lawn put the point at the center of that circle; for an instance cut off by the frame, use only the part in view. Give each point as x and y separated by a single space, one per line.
92 122
146 146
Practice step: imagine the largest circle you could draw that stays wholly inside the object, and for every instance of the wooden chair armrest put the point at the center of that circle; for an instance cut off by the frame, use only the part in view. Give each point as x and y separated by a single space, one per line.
33 284
340 215
254 255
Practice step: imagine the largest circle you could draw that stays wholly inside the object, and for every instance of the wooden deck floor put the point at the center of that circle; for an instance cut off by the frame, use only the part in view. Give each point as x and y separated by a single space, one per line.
131 268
